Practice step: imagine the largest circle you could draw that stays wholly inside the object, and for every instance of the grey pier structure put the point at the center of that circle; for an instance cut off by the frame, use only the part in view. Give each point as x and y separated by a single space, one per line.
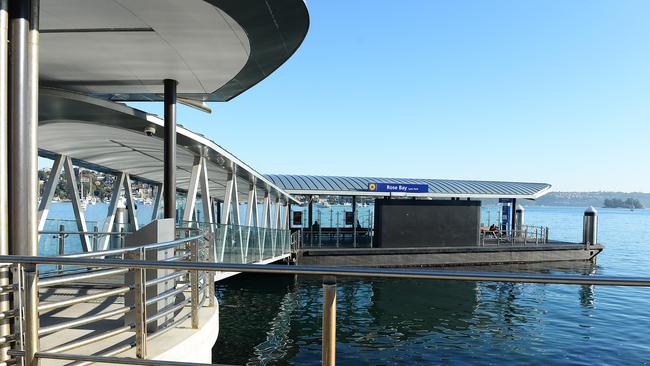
392 222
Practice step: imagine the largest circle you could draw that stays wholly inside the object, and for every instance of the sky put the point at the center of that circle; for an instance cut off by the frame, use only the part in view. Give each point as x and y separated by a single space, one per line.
539 91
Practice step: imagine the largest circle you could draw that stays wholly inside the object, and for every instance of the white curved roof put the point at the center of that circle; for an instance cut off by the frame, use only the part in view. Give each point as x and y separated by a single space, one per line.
109 137
330 185
124 49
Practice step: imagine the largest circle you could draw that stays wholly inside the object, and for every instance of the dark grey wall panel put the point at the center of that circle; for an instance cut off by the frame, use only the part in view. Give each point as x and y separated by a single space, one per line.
423 223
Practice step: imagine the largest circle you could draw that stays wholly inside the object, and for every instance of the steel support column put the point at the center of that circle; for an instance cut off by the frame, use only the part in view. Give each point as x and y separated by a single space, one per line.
23 154
329 321
169 183
22 133
5 330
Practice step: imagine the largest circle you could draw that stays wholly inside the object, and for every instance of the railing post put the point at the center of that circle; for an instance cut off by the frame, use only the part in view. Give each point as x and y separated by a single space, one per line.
546 235
31 321
17 279
121 238
210 275
194 286
329 321
526 235
140 302
354 228
95 237
61 244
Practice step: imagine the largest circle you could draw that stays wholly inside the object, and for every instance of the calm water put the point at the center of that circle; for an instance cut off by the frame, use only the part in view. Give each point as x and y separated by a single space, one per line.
275 320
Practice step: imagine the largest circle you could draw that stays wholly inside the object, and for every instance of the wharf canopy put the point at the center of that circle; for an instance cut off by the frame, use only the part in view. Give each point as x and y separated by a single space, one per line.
94 53
109 137
122 49
404 213
437 188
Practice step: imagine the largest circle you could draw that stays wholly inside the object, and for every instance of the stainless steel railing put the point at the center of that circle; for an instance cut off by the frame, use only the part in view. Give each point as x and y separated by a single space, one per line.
28 264
136 284
244 244
116 238
528 234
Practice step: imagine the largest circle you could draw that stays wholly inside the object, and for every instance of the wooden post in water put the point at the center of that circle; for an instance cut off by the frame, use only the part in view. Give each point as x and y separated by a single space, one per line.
329 321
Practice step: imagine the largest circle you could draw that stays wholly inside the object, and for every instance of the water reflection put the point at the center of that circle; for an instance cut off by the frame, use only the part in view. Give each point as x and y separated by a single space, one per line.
277 320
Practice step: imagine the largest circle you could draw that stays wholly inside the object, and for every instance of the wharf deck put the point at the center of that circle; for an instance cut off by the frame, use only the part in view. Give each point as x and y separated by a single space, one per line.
448 256
179 344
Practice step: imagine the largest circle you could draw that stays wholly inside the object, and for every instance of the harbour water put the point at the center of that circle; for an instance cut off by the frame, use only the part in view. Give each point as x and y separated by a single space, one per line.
276 320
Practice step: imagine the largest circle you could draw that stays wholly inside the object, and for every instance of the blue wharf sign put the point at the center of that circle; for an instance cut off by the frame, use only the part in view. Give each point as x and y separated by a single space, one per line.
397 187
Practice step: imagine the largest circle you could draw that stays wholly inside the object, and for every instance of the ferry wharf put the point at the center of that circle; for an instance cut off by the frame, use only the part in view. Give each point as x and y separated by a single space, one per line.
397 222
142 293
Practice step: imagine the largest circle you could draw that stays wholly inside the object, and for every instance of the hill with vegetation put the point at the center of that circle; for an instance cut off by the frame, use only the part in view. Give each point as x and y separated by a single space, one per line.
596 199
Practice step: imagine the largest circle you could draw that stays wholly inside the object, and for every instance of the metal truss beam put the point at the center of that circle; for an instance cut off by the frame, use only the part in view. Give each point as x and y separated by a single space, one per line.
130 203
206 200
156 202
266 210
192 189
112 210
73 193
252 219
49 189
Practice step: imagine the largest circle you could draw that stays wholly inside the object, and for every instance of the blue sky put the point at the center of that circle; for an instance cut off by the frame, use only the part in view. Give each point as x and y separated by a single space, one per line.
550 91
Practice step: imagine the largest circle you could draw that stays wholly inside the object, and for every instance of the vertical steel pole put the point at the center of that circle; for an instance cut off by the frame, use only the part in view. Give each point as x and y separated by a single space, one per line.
194 286
95 238
140 302
311 221
169 183
329 321
4 172
23 155
512 215
61 244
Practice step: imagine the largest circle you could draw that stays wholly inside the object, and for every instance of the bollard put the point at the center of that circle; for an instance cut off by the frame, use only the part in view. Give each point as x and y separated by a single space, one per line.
329 321
519 220
590 227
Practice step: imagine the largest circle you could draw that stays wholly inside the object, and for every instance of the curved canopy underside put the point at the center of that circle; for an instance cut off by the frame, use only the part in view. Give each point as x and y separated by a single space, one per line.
328 185
109 137
124 49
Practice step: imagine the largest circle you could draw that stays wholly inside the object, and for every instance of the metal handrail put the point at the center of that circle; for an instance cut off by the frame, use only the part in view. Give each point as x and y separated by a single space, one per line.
82 321
329 286
52 281
158 246
339 271
53 232
139 289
